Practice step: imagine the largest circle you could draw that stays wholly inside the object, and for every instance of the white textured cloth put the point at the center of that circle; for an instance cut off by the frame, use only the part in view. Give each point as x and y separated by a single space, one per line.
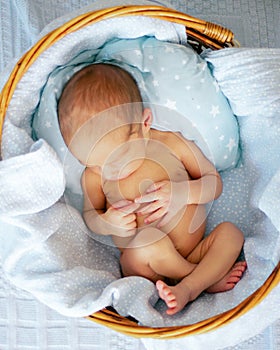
74 274
30 183
37 327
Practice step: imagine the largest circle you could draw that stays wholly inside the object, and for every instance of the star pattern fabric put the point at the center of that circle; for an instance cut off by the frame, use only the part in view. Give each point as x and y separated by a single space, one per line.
174 82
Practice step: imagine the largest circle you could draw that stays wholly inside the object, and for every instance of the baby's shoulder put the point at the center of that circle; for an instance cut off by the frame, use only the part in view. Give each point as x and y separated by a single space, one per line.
90 178
173 140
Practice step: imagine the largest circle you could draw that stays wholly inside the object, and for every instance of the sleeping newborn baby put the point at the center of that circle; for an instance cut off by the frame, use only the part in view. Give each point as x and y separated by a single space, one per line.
147 188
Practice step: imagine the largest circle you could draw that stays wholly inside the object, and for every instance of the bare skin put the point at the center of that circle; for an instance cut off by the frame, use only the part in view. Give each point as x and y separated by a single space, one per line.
147 189
180 254
177 297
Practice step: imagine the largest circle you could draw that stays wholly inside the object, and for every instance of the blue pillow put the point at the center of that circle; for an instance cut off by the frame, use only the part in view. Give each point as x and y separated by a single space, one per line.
187 98
173 80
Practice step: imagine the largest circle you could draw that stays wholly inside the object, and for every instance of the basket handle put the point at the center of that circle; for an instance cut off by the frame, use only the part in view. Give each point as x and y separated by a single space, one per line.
216 35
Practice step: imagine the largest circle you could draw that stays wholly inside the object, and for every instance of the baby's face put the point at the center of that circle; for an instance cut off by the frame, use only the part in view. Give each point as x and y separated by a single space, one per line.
117 155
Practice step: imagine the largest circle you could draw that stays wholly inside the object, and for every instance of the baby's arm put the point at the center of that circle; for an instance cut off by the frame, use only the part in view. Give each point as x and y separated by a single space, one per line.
166 198
205 184
119 219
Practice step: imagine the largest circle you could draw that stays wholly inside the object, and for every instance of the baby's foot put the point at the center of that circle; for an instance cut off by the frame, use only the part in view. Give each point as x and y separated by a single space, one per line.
175 297
230 279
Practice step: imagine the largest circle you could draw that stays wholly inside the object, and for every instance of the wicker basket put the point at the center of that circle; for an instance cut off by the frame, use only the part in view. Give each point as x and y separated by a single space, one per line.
200 34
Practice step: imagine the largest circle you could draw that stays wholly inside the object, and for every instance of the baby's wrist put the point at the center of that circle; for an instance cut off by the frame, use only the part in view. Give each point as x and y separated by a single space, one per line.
96 223
104 224
183 191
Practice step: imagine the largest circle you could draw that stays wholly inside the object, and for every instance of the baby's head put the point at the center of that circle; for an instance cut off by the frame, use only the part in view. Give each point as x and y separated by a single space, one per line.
100 109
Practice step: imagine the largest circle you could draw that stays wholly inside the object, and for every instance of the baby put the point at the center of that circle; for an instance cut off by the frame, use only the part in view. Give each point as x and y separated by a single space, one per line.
147 188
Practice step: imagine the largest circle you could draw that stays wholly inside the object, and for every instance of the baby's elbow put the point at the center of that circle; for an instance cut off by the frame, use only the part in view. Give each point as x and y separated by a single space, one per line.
219 186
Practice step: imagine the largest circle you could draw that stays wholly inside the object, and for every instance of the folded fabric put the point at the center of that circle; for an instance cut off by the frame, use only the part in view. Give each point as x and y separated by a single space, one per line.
51 253
249 78
32 182
269 201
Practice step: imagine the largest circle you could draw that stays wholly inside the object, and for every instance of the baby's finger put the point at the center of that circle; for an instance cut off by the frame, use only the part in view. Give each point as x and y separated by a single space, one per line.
129 218
122 203
150 208
131 225
155 216
131 208
146 198
155 186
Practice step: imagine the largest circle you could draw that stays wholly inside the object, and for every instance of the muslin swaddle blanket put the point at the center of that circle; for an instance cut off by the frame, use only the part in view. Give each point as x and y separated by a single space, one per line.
47 249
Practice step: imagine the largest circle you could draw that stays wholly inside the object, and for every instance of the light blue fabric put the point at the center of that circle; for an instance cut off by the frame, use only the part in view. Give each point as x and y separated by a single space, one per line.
270 202
250 78
20 22
174 81
72 270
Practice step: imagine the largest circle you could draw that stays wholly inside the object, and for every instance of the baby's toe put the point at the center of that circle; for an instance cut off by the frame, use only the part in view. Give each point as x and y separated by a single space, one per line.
172 303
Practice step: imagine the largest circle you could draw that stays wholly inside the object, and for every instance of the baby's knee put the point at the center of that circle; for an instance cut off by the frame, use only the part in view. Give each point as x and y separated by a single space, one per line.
228 230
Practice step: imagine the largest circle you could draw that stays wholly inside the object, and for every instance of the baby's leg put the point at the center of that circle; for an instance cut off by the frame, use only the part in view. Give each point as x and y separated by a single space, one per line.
156 259
215 256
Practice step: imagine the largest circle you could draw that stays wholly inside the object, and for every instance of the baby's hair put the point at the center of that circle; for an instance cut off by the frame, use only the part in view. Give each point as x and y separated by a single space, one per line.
94 89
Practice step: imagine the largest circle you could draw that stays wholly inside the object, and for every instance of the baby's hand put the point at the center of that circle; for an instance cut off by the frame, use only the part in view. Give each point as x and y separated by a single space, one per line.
166 198
122 218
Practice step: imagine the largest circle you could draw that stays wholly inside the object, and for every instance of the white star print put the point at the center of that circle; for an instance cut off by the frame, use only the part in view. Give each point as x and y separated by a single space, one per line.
51 80
222 137
231 144
169 49
137 52
171 104
66 169
202 66
177 77
155 83
215 111
48 124
142 85
165 122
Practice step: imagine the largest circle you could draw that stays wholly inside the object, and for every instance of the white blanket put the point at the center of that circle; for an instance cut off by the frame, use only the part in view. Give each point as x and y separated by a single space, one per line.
47 249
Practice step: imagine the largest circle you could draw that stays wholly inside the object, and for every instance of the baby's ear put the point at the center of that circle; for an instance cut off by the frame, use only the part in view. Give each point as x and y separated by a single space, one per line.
147 118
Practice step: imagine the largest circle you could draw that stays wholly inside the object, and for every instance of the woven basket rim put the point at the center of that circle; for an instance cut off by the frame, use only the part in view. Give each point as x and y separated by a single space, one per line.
210 35
123 325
